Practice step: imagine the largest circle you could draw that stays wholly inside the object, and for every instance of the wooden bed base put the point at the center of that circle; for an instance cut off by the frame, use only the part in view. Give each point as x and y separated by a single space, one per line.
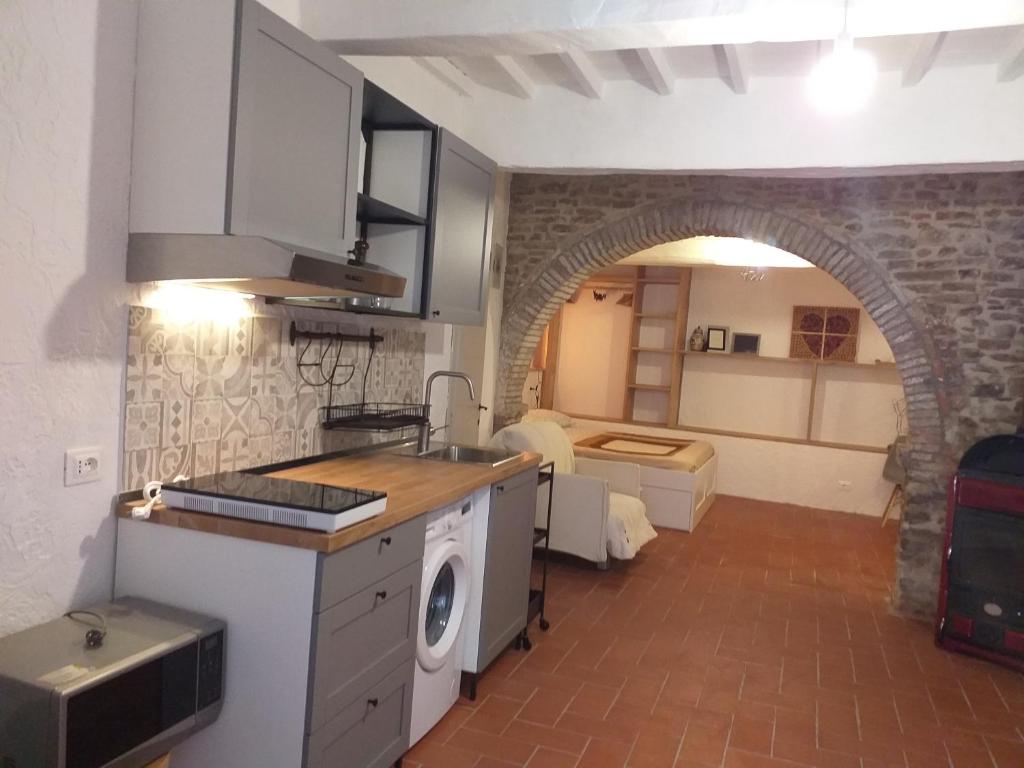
675 498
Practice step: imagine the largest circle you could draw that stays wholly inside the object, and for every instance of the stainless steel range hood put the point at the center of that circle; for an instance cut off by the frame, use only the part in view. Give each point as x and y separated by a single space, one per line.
255 265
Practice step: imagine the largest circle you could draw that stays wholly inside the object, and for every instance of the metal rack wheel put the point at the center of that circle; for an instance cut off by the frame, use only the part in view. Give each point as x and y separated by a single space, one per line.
544 625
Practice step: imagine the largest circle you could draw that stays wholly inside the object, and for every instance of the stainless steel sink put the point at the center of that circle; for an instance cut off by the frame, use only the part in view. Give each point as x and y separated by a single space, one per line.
464 454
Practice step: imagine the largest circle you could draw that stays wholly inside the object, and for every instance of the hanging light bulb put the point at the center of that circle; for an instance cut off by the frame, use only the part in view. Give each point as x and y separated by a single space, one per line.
841 82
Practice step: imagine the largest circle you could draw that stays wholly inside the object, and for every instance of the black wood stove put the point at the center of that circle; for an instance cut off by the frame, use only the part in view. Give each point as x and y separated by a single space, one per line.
981 602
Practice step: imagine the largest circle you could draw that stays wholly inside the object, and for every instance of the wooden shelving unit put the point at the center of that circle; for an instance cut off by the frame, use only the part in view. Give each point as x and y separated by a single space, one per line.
643 280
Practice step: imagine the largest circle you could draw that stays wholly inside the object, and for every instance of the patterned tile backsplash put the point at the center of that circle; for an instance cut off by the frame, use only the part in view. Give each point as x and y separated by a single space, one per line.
211 396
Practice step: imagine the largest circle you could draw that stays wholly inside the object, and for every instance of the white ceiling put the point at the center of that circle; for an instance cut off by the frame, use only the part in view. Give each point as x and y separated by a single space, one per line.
581 44
693 85
971 47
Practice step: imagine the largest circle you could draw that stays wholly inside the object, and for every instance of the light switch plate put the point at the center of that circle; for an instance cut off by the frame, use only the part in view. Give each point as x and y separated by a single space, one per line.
82 465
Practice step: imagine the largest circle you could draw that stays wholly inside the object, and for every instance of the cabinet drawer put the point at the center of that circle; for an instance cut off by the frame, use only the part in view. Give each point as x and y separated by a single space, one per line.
354 568
372 732
356 642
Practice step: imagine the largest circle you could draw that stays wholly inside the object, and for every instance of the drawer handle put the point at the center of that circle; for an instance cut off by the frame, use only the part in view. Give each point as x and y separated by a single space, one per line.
386 541
372 703
501 488
382 595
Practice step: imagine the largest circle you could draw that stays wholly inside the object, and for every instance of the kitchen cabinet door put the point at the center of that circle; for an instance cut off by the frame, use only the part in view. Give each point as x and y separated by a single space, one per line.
460 253
295 137
506 584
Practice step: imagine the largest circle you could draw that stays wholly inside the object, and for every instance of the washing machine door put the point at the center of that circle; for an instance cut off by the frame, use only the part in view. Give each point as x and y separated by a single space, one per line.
442 604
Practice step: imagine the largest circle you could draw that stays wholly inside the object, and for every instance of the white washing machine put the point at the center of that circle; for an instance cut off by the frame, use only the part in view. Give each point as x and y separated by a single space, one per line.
445 593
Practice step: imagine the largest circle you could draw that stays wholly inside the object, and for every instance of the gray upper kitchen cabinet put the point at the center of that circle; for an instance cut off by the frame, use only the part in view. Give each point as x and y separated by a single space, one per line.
243 125
460 244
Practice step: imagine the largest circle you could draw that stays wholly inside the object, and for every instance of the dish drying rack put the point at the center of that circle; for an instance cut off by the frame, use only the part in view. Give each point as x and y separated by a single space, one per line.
361 416
373 417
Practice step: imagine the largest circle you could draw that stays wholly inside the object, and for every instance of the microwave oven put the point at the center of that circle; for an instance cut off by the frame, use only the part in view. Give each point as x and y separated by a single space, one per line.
111 686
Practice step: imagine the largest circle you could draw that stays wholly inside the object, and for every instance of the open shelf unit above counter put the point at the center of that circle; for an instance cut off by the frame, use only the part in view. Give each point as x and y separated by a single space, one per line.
424 210
369 210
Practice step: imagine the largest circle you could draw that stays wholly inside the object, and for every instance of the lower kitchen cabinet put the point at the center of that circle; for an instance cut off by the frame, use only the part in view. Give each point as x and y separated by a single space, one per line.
321 648
364 649
372 731
505 593
362 639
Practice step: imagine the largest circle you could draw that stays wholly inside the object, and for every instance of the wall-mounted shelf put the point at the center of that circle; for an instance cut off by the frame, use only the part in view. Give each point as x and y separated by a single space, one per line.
752 358
655 350
372 211
650 387
654 316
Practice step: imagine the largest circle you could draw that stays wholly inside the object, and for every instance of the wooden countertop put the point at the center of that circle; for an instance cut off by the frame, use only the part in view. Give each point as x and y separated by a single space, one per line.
413 486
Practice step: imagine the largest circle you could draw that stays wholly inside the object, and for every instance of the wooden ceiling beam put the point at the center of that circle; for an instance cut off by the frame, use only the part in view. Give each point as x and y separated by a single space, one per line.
1011 65
922 58
659 73
583 72
521 83
731 67
449 74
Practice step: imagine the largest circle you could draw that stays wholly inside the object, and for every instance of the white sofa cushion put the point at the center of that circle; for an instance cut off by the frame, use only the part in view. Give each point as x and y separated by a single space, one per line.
543 437
542 414
628 526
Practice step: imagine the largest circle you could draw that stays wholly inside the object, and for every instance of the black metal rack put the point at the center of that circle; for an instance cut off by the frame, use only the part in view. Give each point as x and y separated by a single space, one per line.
373 417
361 416
541 538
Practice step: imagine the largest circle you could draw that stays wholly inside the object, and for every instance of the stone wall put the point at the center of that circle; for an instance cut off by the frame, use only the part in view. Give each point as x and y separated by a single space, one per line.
937 261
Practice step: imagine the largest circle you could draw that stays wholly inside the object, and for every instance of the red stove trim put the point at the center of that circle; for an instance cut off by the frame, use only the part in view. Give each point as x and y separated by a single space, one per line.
961 625
1014 641
988 496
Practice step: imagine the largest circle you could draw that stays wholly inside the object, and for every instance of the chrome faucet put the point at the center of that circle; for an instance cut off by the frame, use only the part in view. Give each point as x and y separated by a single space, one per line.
423 442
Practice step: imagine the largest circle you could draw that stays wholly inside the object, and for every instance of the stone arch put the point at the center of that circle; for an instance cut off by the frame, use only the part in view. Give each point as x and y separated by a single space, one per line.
532 305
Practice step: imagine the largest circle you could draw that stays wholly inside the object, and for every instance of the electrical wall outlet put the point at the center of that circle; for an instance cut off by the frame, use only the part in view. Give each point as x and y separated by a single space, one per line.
82 465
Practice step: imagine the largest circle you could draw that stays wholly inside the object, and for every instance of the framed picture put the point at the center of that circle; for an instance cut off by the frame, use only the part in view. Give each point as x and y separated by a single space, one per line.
825 333
746 343
718 338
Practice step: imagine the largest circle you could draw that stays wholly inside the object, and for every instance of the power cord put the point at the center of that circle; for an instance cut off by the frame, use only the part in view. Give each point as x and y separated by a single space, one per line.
97 633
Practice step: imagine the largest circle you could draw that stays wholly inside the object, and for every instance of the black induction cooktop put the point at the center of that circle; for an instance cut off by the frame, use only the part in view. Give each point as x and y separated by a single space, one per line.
262 498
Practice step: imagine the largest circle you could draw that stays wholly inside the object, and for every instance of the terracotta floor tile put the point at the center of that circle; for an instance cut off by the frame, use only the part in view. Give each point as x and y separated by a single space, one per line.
489 745
551 758
601 753
545 706
490 762
540 735
593 700
761 640
752 735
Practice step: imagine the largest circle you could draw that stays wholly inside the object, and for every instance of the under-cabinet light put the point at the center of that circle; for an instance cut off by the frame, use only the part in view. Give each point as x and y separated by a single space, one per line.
184 303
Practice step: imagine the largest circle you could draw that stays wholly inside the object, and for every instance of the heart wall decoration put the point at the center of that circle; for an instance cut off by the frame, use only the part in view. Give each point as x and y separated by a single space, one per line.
825 333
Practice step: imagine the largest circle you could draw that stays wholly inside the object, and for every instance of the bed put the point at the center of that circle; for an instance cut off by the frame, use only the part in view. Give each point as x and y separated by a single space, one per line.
677 476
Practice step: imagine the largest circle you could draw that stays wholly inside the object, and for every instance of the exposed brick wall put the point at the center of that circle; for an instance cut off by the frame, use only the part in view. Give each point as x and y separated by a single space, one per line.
937 260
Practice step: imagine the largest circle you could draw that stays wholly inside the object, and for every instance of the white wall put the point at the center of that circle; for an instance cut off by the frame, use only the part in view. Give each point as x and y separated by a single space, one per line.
592 356
719 296
66 73
853 405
